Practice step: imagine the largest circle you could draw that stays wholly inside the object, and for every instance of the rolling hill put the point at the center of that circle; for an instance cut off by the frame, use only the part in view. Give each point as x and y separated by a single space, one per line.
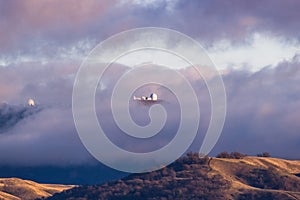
190 177
207 178
17 189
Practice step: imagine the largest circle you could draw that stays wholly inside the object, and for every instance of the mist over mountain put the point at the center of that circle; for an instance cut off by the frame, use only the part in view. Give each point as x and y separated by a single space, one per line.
47 139
95 173
11 115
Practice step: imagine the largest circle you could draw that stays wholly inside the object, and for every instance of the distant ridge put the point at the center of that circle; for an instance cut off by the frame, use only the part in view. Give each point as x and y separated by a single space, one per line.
256 178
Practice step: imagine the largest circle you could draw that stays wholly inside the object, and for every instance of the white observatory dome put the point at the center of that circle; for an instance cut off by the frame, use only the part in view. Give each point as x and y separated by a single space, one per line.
31 102
153 96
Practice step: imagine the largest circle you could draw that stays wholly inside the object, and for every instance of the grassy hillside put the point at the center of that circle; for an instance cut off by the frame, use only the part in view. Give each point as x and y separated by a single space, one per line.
16 189
207 178
189 177
260 178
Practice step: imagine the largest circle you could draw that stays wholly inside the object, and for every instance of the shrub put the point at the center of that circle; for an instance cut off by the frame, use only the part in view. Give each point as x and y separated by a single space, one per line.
193 158
264 154
233 155
223 154
237 155
269 179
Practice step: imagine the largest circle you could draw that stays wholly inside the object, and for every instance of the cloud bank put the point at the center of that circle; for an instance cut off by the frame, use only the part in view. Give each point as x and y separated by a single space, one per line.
51 30
262 115
43 44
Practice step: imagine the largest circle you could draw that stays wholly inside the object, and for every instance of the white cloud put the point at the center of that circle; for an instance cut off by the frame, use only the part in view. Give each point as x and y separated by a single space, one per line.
260 51
47 53
168 4
157 57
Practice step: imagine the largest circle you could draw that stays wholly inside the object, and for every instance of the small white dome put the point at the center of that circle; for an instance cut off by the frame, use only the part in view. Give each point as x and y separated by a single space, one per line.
31 102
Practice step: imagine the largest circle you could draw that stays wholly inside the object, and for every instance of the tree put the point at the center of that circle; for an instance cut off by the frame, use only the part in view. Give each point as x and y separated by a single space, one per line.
234 155
237 155
264 154
223 154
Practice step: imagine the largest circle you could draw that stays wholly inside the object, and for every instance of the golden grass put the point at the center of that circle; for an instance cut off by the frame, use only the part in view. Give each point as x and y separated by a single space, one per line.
4 195
14 188
228 168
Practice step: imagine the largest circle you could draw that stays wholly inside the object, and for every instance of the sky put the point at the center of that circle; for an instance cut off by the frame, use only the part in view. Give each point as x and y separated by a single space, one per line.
254 44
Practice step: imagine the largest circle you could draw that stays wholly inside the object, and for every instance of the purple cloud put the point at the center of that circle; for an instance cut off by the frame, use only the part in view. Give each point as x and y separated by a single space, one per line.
263 111
52 29
44 42
263 108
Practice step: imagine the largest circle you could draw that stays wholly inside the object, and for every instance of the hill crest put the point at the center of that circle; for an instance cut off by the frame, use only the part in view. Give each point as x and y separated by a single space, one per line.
207 178
17 189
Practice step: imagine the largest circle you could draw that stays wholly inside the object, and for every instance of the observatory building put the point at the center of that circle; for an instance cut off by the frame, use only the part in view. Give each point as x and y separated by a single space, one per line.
152 97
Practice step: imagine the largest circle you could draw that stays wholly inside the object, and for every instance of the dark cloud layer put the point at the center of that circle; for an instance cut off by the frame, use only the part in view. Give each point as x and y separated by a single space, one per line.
52 28
30 22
